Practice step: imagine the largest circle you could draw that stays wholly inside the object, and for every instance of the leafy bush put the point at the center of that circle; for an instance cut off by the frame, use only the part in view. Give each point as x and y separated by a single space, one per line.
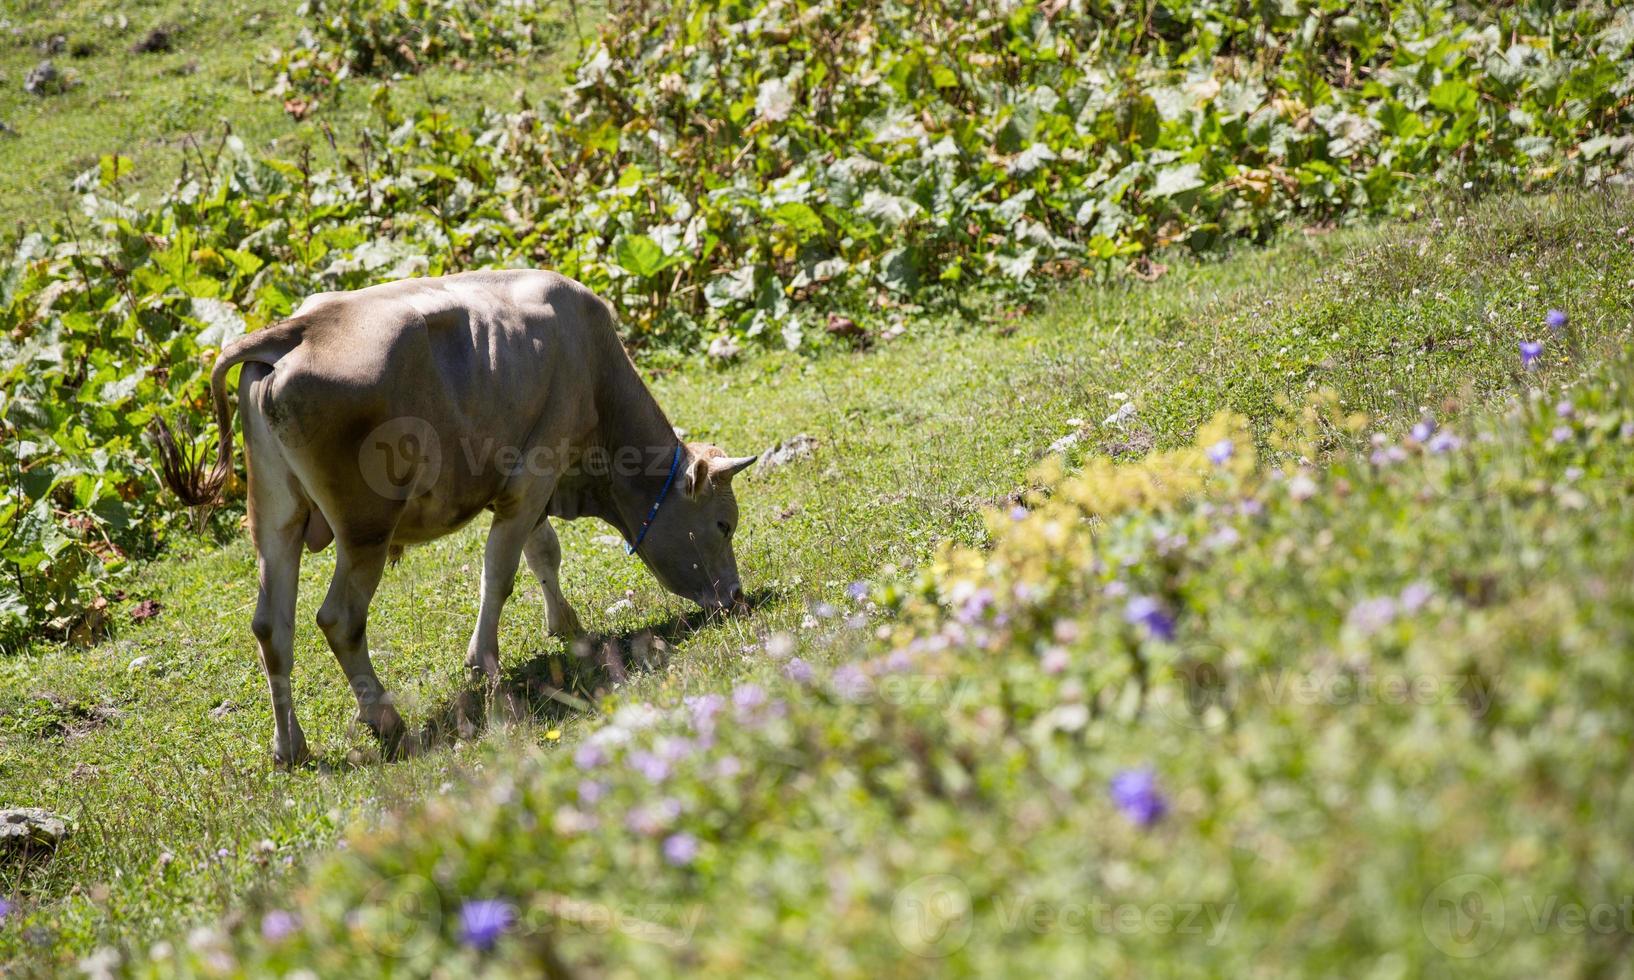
383 38
1195 687
742 169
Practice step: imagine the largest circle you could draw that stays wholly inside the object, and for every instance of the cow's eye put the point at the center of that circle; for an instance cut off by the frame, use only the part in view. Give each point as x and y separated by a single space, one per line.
726 530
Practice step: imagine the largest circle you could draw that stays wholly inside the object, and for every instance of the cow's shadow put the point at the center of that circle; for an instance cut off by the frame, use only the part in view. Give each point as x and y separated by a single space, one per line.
552 686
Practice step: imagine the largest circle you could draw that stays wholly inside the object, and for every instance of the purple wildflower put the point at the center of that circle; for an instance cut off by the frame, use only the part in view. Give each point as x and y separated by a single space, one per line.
704 709
798 670
1371 615
589 755
1055 660
1557 320
1531 350
857 591
1424 429
747 699
1562 433
1220 452
591 792
1385 455
1565 409
483 921
278 925
1018 513
1414 596
674 750
728 766
1135 792
1145 611
972 610
824 610
655 770
1443 442
851 683
5 909
680 849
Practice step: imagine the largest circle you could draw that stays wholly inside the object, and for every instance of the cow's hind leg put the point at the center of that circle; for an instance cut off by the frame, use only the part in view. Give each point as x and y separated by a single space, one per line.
500 559
278 553
544 553
278 514
343 617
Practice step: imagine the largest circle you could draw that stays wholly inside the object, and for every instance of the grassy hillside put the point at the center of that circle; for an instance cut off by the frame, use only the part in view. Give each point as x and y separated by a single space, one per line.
162 81
154 741
810 175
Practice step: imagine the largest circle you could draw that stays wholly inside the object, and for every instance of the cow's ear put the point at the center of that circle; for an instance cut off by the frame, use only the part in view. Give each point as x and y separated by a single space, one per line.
726 468
697 478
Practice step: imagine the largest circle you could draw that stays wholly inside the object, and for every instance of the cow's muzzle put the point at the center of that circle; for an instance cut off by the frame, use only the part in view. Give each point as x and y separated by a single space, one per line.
729 599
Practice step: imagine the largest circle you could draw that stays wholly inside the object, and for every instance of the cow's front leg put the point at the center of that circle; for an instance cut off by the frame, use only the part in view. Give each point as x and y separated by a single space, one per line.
544 553
344 618
506 539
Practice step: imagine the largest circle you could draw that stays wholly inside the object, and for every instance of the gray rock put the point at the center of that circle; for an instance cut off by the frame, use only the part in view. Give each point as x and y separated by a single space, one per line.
786 452
31 830
43 79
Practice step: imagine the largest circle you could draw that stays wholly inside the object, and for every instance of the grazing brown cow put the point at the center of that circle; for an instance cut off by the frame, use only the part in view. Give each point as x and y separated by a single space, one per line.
392 415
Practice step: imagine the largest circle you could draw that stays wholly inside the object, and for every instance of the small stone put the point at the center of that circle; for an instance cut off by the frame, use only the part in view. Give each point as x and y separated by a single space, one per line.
1064 443
43 79
30 830
788 451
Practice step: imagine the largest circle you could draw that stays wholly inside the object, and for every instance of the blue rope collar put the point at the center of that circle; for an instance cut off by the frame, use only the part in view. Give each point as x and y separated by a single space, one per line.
674 466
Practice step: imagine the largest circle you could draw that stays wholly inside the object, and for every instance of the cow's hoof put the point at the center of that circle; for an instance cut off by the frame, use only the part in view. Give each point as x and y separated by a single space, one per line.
483 666
565 624
387 726
292 755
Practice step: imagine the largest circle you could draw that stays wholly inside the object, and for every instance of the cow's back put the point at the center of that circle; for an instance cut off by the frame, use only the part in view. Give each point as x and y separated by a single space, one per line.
478 361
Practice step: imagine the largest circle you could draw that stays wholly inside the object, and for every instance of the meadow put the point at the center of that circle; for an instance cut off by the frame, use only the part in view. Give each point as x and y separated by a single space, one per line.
1257 603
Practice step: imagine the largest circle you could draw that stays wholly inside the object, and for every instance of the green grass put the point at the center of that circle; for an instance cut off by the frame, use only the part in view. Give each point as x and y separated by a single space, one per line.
916 438
167 110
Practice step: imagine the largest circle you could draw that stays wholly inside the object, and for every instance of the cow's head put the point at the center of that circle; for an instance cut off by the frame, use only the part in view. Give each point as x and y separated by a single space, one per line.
689 545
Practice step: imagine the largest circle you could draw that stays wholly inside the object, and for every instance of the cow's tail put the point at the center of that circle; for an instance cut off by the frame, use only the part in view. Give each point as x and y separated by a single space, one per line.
183 471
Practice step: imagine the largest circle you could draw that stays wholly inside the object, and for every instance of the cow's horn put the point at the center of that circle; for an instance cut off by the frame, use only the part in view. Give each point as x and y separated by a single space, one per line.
726 467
